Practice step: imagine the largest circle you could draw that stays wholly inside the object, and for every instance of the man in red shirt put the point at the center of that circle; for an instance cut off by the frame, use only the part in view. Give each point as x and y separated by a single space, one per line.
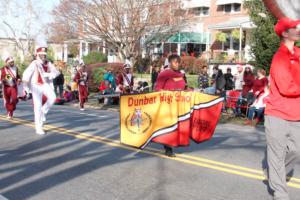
171 79
10 78
282 110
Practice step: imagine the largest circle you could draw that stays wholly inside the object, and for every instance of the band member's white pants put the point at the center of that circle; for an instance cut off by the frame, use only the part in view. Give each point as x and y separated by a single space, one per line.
41 110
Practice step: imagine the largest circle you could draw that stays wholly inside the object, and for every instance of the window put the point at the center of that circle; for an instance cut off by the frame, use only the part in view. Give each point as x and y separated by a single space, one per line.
201 11
227 8
232 8
232 43
237 7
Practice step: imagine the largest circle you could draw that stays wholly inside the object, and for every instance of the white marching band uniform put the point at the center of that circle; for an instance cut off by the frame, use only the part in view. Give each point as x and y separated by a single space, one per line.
40 83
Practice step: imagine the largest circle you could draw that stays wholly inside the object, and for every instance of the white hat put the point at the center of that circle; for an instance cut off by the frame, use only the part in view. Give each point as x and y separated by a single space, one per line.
127 66
41 51
9 60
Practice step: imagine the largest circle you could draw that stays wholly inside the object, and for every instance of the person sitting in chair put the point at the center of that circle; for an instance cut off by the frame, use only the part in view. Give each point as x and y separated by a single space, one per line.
257 109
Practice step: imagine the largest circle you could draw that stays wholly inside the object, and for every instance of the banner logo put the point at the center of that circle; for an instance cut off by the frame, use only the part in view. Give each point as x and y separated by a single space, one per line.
138 122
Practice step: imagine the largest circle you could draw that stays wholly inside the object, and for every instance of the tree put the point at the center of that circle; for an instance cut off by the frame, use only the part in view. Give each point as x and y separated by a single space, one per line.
264 41
124 25
19 22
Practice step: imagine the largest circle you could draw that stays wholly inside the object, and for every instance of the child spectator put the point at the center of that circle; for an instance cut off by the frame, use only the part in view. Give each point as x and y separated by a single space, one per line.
203 79
257 108
68 95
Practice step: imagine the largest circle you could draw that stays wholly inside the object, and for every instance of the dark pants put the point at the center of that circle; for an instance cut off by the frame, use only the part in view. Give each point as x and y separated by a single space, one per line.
167 148
252 111
60 89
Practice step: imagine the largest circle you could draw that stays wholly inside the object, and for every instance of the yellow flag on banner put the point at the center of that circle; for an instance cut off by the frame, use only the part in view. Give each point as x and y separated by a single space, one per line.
168 117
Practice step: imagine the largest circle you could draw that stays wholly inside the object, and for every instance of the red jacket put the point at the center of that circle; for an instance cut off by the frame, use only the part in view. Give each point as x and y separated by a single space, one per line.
248 79
6 72
81 78
170 80
259 85
284 101
121 80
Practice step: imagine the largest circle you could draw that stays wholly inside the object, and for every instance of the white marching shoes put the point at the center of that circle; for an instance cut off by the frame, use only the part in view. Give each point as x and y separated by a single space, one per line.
40 131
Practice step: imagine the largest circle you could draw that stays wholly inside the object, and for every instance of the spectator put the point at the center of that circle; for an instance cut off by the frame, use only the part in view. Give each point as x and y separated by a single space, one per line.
229 83
248 80
218 81
203 79
238 78
58 83
143 87
68 96
171 79
109 76
154 75
106 87
257 108
260 82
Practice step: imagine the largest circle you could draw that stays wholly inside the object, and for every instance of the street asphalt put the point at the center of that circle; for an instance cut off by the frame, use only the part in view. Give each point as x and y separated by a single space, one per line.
81 158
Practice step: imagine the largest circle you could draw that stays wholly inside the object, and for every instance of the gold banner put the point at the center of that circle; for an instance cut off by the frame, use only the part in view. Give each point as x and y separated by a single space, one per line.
145 117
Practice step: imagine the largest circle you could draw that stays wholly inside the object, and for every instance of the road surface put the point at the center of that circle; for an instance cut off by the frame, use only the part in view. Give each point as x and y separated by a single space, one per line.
81 158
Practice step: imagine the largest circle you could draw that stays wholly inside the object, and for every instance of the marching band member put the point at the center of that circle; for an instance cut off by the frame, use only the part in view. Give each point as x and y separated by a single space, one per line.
125 80
171 79
38 77
81 78
10 79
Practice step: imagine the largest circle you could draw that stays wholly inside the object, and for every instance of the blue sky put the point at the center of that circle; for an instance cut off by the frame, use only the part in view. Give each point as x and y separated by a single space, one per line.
48 5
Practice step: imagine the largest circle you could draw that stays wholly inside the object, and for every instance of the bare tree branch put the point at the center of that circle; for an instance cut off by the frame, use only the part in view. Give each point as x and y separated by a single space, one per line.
120 23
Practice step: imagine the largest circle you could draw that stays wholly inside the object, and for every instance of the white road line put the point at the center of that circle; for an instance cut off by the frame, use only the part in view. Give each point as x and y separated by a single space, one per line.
81 113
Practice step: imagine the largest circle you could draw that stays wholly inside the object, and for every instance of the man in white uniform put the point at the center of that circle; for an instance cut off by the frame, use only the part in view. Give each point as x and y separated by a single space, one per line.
38 77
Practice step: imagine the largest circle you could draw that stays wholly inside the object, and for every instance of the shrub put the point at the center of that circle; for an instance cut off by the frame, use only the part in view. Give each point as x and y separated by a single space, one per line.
94 57
198 65
187 62
97 74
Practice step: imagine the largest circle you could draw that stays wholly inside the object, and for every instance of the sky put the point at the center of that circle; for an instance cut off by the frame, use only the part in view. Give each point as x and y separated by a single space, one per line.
15 14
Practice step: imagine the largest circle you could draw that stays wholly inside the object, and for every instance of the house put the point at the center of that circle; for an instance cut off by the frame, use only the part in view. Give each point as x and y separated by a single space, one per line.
208 20
218 29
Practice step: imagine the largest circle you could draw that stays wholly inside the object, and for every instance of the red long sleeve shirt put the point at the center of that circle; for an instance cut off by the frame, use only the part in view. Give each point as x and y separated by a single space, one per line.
284 101
259 85
170 80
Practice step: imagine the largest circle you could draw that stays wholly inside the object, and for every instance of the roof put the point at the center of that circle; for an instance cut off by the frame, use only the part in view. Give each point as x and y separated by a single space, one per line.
188 4
236 22
224 2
